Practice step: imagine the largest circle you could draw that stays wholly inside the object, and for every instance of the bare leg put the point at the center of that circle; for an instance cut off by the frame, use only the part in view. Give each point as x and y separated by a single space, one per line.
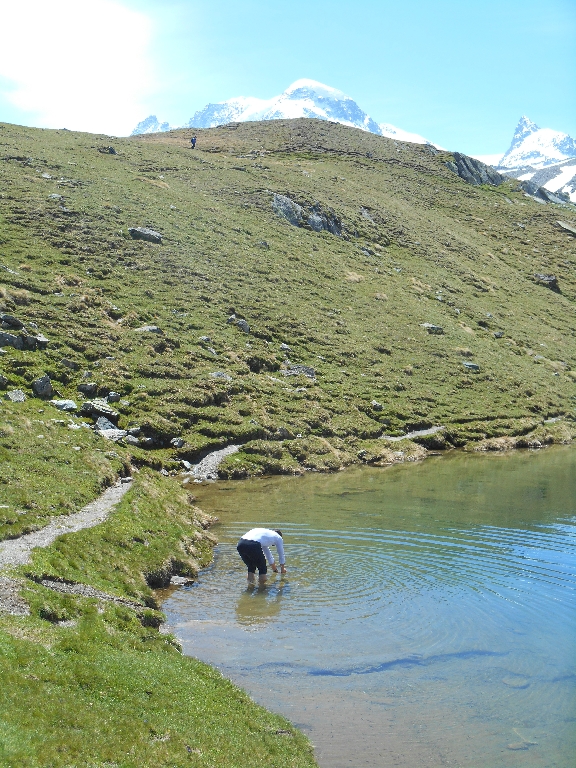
251 578
262 578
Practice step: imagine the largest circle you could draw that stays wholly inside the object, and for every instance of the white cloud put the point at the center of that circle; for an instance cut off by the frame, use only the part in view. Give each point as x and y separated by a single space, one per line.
78 64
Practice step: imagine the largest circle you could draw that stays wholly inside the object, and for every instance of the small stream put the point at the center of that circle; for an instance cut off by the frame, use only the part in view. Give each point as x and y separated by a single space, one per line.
427 618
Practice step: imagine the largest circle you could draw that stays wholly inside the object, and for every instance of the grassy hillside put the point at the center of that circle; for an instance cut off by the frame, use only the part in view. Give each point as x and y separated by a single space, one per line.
388 240
417 245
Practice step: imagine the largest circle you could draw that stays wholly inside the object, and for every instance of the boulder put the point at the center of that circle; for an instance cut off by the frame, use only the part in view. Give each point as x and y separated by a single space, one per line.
473 367
142 233
435 330
69 364
285 347
288 209
300 370
112 434
3 382
89 389
9 321
103 423
498 334
550 281
177 442
11 340
113 397
96 408
131 440
149 329
243 325
134 431
16 396
221 375
567 227
376 406
42 387
64 405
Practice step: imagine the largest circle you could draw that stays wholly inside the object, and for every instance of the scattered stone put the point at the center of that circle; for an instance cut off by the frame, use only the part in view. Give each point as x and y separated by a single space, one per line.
180 580
376 405
9 321
300 370
212 351
243 325
186 464
54 196
149 329
16 396
3 382
107 151
89 389
113 397
221 375
42 387
142 233
285 348
69 364
147 442
103 423
498 334
125 480
550 281
68 406
131 440
135 431
177 442
471 366
96 408
206 339
436 330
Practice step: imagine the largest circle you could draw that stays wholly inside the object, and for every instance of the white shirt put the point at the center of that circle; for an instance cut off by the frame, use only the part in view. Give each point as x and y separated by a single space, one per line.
267 538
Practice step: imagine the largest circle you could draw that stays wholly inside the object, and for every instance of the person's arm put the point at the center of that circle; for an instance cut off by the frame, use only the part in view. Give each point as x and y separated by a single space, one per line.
269 557
281 556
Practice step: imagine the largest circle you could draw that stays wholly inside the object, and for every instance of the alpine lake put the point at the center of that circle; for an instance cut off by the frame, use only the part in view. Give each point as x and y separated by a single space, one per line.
428 616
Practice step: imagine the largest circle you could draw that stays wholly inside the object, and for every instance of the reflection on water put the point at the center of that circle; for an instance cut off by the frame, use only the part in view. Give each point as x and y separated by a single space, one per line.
427 617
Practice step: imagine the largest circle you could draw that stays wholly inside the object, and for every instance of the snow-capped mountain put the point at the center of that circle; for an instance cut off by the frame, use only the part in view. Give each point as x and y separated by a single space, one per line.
304 98
541 156
537 147
150 125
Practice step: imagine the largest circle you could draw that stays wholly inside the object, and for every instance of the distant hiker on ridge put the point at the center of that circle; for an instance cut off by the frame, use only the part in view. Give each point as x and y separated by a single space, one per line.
254 550
193 142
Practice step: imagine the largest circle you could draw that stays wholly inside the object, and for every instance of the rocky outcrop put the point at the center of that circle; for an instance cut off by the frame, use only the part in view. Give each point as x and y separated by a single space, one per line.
142 233
312 217
474 171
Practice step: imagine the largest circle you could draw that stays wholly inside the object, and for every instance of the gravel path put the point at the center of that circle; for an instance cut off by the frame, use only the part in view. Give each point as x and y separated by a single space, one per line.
18 551
207 469
410 435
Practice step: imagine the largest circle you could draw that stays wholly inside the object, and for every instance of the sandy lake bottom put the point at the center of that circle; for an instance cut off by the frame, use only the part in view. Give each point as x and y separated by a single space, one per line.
428 617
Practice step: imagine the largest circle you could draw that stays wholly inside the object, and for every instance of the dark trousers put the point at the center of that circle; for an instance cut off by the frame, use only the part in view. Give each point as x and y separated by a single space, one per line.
252 555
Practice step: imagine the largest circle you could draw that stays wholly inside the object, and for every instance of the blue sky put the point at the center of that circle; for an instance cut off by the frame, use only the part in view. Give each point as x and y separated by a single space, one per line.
460 72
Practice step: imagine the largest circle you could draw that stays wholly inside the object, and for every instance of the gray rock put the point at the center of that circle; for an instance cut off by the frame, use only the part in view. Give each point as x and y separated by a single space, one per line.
498 334
300 370
112 434
435 330
11 340
221 375
16 396
474 171
131 440
69 364
3 382
142 233
41 341
134 431
231 319
147 442
550 281
376 406
103 423
89 389
42 387
113 397
186 464
177 442
243 325
474 367
206 339
64 405
96 408
567 227
288 209
55 197
149 329
285 348
9 321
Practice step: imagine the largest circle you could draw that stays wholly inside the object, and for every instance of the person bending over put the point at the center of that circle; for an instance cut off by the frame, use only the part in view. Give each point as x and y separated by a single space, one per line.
254 549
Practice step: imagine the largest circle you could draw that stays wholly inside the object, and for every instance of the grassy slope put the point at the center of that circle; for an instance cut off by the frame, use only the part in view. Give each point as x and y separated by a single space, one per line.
351 307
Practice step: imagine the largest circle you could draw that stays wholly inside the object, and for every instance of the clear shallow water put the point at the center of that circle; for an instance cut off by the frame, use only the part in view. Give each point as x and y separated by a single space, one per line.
428 616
